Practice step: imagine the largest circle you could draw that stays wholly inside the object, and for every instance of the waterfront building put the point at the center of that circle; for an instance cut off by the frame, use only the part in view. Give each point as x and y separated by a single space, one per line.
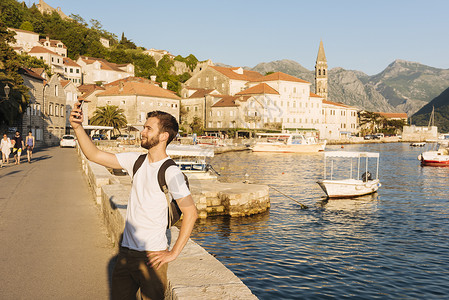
195 103
321 88
138 96
394 116
340 120
98 70
227 81
72 71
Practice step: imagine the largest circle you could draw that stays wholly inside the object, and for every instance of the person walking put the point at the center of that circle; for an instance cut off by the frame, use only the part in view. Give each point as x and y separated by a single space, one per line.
29 141
144 254
5 147
17 143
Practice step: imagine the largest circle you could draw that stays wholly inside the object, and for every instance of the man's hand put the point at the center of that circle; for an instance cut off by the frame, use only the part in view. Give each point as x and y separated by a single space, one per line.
158 258
76 116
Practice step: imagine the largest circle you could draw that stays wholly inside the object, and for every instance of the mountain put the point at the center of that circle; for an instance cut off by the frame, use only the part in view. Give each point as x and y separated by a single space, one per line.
402 87
441 106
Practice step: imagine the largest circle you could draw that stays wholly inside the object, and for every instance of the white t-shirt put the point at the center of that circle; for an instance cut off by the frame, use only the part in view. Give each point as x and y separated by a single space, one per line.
146 215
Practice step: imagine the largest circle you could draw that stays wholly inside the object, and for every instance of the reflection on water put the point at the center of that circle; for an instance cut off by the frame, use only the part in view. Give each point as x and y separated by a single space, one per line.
393 244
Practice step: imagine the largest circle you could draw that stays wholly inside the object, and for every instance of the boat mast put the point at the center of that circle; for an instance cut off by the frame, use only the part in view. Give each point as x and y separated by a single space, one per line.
432 117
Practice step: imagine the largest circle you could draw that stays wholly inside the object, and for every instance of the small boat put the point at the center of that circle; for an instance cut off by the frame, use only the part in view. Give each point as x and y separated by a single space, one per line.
418 144
353 185
191 159
287 143
436 158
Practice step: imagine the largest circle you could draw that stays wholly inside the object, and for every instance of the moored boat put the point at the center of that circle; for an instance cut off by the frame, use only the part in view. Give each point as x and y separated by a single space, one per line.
191 159
287 143
438 158
349 186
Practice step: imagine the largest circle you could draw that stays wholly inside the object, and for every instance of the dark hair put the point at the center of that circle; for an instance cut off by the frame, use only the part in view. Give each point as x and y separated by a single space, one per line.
167 123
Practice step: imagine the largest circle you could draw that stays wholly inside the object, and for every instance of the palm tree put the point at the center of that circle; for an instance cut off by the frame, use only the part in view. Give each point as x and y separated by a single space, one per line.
109 115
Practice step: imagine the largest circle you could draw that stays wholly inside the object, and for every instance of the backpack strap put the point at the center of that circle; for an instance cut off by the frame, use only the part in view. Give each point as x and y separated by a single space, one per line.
138 163
174 212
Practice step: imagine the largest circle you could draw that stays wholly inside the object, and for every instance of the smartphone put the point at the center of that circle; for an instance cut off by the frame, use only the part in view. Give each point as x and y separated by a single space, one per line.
80 105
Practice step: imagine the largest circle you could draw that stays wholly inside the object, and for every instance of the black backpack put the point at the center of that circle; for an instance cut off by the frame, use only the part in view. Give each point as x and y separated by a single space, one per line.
174 213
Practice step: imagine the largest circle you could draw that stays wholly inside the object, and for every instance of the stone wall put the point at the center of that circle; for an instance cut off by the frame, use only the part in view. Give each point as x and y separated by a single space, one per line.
195 274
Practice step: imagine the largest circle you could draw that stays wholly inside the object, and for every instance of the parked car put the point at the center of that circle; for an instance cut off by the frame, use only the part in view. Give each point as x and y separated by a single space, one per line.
369 137
122 137
379 135
68 140
98 137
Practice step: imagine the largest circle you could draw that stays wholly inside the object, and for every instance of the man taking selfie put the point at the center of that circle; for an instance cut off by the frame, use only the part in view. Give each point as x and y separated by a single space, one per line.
143 257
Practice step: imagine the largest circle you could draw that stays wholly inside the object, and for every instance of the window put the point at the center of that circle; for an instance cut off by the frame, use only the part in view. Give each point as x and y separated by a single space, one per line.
199 80
71 70
188 108
108 102
294 90
50 109
62 111
52 59
56 91
65 69
123 101
215 78
319 72
77 71
324 72
219 124
56 110
196 108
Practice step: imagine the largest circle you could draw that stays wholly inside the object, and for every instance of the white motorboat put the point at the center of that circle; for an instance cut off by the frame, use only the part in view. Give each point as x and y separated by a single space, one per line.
436 158
191 159
352 184
287 143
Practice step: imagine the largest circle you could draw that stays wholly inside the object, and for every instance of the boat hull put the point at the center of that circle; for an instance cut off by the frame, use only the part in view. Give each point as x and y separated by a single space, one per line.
434 159
282 148
349 187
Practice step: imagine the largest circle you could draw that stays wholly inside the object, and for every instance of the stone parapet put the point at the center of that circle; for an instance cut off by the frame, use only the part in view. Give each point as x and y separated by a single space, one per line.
195 274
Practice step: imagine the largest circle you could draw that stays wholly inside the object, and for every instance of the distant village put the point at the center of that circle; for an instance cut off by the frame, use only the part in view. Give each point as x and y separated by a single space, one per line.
218 98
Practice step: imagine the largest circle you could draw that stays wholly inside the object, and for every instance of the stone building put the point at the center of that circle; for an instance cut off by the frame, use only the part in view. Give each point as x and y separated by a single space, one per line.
227 81
25 40
45 115
138 96
54 45
321 74
340 120
197 102
44 8
95 70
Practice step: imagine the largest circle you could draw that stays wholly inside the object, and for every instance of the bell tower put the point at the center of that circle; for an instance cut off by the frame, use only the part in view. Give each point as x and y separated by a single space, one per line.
321 73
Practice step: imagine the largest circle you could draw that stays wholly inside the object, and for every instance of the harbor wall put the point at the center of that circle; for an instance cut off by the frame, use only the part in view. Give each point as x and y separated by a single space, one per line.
195 274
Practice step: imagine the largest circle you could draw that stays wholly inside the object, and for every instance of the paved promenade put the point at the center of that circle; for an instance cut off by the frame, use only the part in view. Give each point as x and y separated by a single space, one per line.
52 241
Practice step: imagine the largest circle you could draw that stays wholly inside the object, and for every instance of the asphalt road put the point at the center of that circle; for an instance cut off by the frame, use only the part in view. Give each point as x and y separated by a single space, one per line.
53 244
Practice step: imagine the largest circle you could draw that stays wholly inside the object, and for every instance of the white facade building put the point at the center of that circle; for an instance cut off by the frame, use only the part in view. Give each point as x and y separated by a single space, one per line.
100 70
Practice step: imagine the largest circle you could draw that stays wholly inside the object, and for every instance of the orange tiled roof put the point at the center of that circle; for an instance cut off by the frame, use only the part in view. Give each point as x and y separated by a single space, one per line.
138 88
69 62
53 43
87 89
229 72
280 76
105 65
64 82
200 93
131 78
315 95
336 103
261 88
393 115
39 49
31 73
229 101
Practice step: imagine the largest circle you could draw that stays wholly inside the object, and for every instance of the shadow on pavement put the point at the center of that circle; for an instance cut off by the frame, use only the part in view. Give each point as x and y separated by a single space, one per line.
11 173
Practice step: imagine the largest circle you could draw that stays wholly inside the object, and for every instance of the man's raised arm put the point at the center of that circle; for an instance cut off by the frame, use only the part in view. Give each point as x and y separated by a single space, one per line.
87 146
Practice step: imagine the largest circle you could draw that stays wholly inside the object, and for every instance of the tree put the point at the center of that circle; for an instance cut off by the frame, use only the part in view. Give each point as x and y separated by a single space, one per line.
27 26
110 115
197 125
11 109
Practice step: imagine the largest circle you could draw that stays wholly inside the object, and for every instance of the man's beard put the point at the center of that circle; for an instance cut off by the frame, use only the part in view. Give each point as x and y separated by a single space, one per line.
148 144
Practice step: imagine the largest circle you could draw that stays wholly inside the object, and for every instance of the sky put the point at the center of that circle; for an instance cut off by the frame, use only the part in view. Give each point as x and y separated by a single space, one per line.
357 34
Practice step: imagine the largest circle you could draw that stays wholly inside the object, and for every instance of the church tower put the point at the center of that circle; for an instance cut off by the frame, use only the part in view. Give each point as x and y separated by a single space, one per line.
321 73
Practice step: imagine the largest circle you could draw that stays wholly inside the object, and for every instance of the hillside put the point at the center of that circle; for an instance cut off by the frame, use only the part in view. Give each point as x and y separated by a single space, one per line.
402 87
441 105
